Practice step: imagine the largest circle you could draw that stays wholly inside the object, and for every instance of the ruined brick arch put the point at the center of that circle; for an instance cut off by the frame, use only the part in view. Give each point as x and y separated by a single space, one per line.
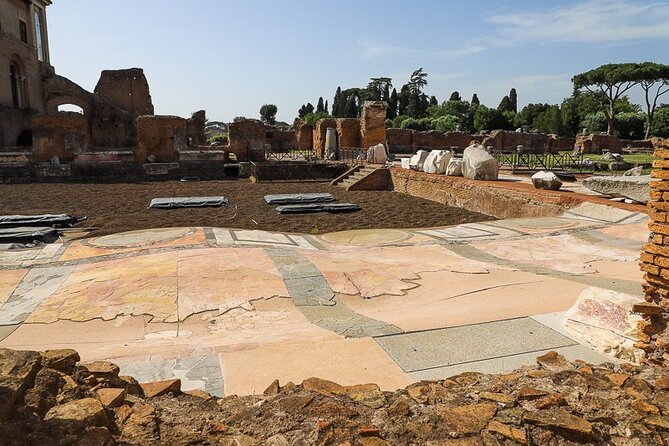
84 103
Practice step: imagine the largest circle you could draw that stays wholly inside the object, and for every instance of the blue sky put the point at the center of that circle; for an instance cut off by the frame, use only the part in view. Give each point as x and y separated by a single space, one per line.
231 57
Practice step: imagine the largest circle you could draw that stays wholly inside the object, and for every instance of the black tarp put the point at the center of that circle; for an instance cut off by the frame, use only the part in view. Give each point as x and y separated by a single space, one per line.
188 202
28 235
299 198
317 207
53 220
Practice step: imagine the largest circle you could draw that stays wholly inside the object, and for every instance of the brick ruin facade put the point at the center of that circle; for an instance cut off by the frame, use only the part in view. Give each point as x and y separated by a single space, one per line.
653 331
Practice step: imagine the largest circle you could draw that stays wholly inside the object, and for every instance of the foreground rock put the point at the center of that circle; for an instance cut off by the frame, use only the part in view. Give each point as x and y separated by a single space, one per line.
546 180
478 164
556 402
635 188
604 319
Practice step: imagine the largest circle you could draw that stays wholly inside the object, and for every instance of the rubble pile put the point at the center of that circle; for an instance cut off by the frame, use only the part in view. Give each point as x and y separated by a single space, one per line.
52 398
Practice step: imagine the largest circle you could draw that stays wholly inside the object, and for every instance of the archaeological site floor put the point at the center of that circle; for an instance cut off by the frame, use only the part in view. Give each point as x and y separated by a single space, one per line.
231 309
119 207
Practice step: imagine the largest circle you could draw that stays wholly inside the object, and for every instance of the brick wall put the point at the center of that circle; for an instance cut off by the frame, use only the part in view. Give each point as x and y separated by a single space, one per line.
373 124
652 331
160 136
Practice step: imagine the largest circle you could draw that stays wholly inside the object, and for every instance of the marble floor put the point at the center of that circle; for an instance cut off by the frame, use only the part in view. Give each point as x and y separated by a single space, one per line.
230 310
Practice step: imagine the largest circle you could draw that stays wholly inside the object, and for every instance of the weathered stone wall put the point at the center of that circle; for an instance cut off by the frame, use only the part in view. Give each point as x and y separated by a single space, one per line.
480 196
597 143
160 137
505 139
304 134
557 143
195 126
127 89
247 139
461 139
348 132
64 135
429 140
653 331
399 140
319 135
281 139
373 124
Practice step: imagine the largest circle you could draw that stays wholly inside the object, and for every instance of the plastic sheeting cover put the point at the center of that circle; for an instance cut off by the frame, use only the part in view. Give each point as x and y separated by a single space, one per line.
188 202
27 235
54 220
299 198
317 207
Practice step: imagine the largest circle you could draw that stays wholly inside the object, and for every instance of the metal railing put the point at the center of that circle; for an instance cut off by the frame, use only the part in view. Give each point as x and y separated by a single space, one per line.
290 155
518 161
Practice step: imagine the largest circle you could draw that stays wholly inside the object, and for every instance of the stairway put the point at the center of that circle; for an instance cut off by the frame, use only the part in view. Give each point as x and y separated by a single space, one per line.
352 178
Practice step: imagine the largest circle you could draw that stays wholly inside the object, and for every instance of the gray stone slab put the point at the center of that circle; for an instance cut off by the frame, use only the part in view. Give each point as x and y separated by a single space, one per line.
196 372
509 363
6 330
346 322
37 285
636 188
470 343
305 283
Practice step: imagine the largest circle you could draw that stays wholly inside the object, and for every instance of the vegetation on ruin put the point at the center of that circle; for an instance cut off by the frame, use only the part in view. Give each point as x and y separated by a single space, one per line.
599 103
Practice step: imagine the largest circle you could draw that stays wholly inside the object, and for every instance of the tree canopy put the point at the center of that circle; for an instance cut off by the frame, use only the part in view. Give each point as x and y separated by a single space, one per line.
268 113
611 82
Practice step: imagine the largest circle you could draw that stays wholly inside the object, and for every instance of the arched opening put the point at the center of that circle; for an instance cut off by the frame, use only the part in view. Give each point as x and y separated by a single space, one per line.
25 139
17 81
71 108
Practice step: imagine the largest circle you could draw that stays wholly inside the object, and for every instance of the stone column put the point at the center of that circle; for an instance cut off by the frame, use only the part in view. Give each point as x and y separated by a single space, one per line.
652 331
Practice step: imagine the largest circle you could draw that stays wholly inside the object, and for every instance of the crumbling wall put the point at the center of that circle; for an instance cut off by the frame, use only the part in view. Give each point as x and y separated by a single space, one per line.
127 89
557 143
506 139
400 140
281 139
319 135
304 134
373 123
598 143
247 140
63 135
348 132
196 131
112 127
653 331
461 139
160 137
431 139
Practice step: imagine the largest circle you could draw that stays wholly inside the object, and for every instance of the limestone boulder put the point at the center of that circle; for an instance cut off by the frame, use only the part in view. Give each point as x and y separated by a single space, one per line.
377 154
436 161
478 164
604 319
405 163
546 180
454 167
418 160
635 188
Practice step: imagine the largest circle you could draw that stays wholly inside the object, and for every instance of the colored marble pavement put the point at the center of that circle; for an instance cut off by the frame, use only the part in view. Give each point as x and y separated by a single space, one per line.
230 310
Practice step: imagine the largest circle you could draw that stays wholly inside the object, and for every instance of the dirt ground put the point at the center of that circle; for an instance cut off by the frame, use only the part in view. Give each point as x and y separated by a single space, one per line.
113 208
